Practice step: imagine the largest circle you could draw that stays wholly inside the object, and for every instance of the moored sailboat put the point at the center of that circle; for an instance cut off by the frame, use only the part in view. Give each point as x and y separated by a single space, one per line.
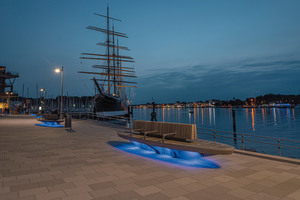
111 97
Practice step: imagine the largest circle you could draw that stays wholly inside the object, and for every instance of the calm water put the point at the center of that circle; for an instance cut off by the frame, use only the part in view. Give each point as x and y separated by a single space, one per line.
283 123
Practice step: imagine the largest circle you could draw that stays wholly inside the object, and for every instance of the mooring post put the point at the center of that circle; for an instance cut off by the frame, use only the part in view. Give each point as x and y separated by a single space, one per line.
234 125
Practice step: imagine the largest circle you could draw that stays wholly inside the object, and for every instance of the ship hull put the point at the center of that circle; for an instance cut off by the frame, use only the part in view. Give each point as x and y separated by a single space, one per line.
109 106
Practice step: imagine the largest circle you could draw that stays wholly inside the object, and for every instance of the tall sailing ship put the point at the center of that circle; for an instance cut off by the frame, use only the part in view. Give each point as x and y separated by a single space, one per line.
114 73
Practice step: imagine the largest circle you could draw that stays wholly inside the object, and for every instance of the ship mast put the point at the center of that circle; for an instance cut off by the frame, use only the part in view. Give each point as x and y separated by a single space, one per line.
114 62
118 64
108 60
113 70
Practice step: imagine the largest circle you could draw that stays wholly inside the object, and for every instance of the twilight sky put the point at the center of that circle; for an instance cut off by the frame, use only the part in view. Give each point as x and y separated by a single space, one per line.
184 50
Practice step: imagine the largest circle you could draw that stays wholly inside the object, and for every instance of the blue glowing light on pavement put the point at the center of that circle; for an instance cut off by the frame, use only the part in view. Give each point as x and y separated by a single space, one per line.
50 124
177 157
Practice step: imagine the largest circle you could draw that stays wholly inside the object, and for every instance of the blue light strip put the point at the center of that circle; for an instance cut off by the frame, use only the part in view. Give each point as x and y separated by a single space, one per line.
50 124
187 155
177 157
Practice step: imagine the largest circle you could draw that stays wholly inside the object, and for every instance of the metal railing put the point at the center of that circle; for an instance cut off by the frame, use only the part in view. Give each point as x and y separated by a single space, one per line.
244 137
234 136
115 120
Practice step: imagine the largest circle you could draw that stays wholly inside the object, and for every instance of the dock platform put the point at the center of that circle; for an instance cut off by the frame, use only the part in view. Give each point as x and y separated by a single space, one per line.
40 163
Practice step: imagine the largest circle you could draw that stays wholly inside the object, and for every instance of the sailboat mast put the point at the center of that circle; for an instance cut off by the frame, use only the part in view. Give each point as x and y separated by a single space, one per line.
108 57
121 80
114 60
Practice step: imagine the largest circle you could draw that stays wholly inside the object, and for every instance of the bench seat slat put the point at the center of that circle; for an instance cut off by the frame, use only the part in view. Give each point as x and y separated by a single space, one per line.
162 129
147 132
136 130
165 134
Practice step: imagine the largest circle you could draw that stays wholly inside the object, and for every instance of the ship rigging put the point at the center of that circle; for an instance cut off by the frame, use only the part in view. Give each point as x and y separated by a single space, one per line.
115 73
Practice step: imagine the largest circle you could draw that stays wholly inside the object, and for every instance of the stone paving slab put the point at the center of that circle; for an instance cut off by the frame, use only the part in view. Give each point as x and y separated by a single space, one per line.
52 163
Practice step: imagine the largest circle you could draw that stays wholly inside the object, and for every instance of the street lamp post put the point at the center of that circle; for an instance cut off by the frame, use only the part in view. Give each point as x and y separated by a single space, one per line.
8 100
58 70
43 91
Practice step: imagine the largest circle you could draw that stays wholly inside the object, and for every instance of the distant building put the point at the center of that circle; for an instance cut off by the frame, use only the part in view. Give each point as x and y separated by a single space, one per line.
7 80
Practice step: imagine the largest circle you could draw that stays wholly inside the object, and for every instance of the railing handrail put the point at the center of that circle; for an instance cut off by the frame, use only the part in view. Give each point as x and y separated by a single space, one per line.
267 137
93 115
277 141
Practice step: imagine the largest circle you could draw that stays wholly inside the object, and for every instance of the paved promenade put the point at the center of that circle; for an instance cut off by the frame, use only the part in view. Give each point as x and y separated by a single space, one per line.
52 163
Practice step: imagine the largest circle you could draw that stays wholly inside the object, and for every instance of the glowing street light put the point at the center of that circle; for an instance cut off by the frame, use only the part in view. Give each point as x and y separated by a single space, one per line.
61 70
42 99
8 98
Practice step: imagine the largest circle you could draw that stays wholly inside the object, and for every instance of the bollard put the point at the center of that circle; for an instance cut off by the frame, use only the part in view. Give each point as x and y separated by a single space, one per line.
68 121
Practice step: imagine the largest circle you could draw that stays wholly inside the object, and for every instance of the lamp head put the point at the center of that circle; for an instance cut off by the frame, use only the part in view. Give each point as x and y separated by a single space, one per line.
57 70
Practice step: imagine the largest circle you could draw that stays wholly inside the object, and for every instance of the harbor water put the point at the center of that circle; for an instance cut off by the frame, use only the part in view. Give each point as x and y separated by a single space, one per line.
271 123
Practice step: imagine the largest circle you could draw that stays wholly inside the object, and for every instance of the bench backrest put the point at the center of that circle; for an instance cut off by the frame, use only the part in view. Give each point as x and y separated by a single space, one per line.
183 131
50 116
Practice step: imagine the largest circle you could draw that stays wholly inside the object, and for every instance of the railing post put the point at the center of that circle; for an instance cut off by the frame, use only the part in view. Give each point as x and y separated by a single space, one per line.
243 142
234 125
215 135
279 153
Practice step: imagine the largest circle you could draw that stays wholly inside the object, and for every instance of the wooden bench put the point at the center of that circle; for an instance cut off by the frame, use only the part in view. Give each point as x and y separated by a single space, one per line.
174 131
50 118
174 136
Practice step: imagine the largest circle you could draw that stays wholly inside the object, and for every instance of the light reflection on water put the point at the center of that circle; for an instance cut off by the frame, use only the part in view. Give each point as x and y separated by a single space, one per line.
253 119
271 122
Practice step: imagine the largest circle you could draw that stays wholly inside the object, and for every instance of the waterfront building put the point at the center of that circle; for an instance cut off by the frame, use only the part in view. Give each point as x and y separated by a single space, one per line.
7 80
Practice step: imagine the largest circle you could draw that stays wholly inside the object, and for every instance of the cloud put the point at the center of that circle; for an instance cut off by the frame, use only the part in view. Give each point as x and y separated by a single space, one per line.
201 82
